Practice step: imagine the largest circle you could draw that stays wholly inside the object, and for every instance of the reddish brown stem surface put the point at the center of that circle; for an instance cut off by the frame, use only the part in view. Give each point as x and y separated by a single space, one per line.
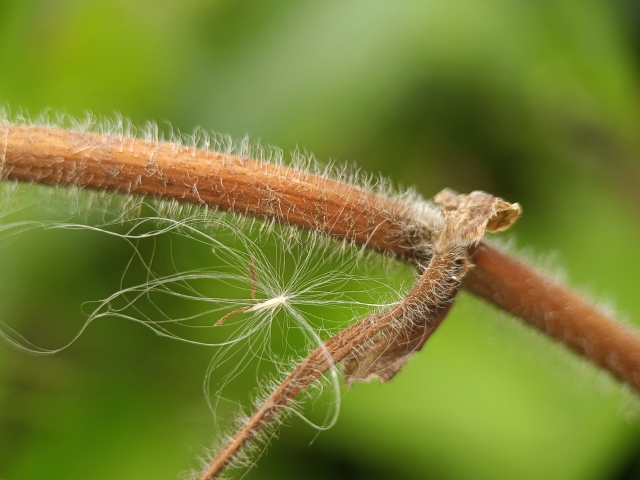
227 182
60 157
557 311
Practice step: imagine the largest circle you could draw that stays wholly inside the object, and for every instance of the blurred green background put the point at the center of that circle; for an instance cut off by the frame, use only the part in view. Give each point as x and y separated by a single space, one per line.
535 101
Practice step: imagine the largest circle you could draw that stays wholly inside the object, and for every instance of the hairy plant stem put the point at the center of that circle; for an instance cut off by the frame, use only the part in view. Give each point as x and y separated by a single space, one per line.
557 311
298 198
163 170
226 182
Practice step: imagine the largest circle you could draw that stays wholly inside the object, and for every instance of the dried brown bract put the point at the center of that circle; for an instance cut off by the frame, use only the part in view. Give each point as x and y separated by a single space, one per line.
469 216
466 219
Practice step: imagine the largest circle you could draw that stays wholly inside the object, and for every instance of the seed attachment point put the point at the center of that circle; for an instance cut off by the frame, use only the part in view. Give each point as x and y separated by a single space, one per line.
270 304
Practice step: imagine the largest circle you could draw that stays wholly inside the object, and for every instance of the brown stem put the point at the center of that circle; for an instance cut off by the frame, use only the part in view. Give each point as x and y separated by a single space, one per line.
227 182
59 157
557 311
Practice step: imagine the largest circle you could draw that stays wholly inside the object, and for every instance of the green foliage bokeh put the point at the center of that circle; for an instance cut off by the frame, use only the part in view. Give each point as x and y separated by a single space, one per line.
535 101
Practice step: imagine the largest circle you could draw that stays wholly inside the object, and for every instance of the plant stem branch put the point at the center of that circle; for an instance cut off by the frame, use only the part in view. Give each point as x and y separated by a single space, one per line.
163 170
557 311
227 182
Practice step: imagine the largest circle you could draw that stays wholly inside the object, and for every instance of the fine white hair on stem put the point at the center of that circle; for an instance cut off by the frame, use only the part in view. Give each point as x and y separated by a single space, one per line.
121 129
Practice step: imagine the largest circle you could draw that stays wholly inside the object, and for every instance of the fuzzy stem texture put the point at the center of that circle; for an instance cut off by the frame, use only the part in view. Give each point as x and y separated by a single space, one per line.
227 182
557 311
241 185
